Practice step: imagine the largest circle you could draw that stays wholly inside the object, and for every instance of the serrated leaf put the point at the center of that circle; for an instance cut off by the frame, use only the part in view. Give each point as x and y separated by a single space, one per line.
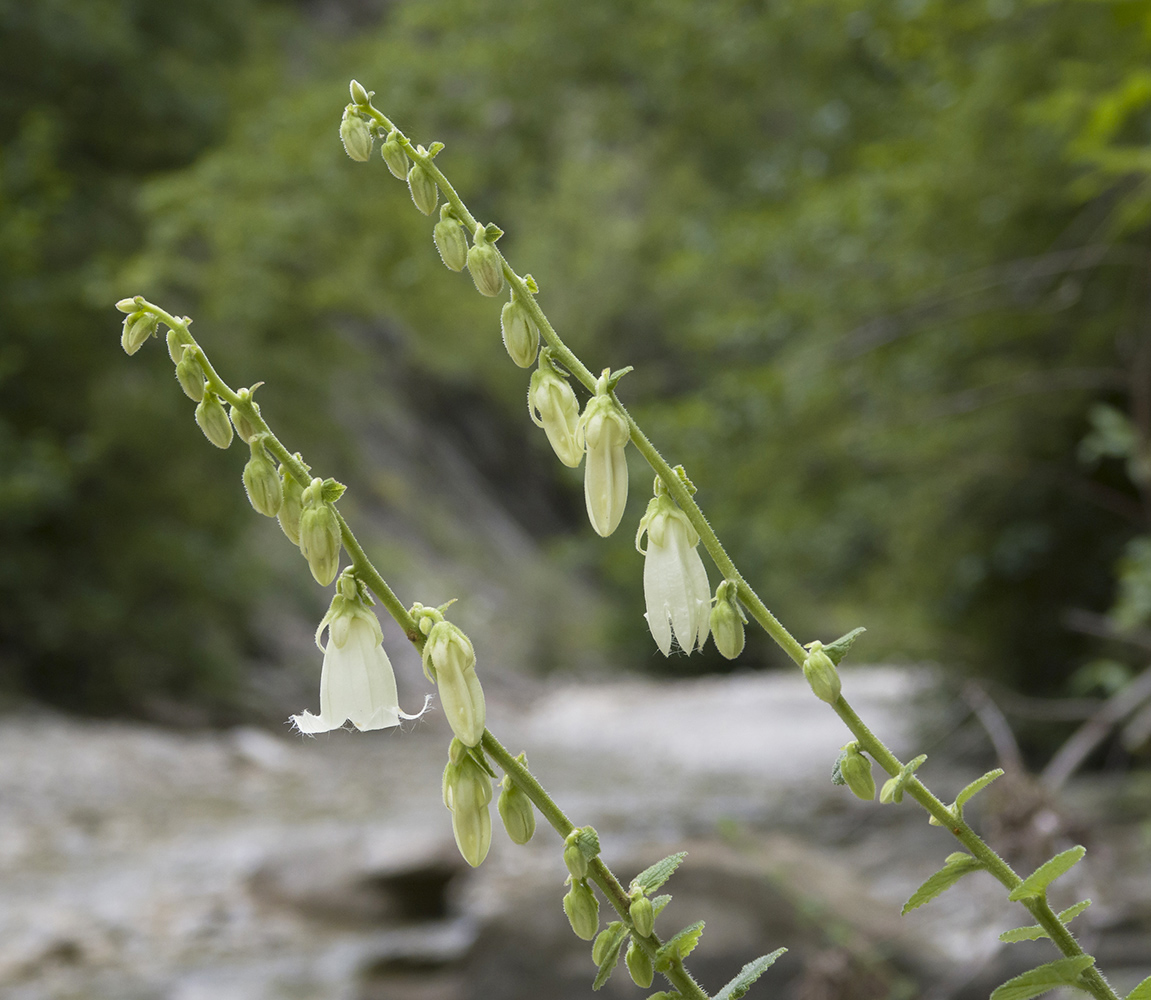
1142 991
679 946
748 975
331 491
1062 972
652 878
837 771
839 649
1033 932
658 903
1066 916
975 788
1037 882
610 961
942 880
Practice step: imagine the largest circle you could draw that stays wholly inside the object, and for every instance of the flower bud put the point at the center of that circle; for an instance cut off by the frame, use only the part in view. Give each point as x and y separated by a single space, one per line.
394 156
320 535
138 327
467 792
190 375
485 265
517 812
521 335
605 941
821 674
241 420
856 771
727 622
175 346
452 659
450 240
575 860
213 420
605 431
356 137
291 507
553 406
265 493
359 95
582 909
580 845
423 188
639 965
642 915
130 305
891 791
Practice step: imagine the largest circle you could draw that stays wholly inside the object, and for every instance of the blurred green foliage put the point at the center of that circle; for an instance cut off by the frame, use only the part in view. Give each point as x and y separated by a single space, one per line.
873 262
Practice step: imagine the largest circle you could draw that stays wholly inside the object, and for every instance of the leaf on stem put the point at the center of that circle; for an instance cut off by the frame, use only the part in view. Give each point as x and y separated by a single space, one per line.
1037 882
1063 972
958 865
678 947
839 649
652 878
332 491
1033 932
658 903
748 975
975 788
610 961
1142 991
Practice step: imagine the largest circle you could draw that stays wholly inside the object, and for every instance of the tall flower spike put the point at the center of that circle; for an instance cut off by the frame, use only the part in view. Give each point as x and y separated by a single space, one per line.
604 431
450 661
356 682
553 406
675 583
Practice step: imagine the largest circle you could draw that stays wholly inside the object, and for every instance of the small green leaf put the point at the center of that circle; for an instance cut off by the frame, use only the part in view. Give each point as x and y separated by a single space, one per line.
958 865
658 903
1142 991
1063 972
748 975
492 232
1033 932
652 878
975 788
1037 882
893 787
1066 916
679 946
610 961
837 777
614 377
435 148
531 284
331 491
839 649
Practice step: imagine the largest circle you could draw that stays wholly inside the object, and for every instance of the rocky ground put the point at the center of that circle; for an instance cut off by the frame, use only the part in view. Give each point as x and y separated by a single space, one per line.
138 863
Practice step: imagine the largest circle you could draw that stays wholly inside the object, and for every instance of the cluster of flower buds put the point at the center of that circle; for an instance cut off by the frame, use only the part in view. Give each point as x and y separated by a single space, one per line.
467 792
675 585
140 323
319 533
516 809
604 431
821 674
450 662
727 621
553 406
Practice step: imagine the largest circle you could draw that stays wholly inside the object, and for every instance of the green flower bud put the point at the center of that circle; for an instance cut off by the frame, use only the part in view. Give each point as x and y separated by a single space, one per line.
856 771
521 335
423 188
240 418
485 265
579 846
604 942
553 406
320 535
450 240
574 859
394 156
727 622
138 327
130 305
605 431
356 137
175 347
891 791
821 674
582 909
517 812
359 95
641 913
190 375
467 792
262 482
450 658
291 507
639 965
213 420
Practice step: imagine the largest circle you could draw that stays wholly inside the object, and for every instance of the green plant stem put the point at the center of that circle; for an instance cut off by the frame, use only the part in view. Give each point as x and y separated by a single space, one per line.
1060 935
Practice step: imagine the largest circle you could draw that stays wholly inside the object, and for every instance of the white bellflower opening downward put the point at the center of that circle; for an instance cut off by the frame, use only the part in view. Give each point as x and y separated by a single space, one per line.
675 583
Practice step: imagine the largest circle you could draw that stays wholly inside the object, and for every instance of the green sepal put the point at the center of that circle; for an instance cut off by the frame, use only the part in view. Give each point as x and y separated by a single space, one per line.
614 378
748 975
1033 932
652 878
658 903
679 947
1037 882
837 777
331 491
610 961
839 649
1062 972
492 232
956 866
893 787
1142 991
434 149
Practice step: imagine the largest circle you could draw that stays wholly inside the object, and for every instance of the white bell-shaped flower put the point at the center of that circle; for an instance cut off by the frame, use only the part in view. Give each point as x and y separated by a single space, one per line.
675 583
604 430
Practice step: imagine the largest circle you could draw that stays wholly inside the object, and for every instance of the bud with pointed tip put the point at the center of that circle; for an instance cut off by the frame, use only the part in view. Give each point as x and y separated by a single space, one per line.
450 659
641 913
265 493
485 264
130 305
639 965
553 406
821 674
605 432
240 418
213 420
856 771
606 941
356 136
582 909
394 156
467 793
516 811
727 622
359 95
450 240
190 375
521 335
320 534
291 507
138 327
422 186
574 858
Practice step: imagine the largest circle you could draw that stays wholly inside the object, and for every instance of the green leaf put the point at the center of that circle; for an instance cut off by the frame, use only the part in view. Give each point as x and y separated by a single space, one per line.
652 878
1063 972
748 975
492 232
975 788
893 787
958 865
1037 882
331 491
1033 932
679 946
610 961
837 771
614 377
1142 991
839 649
435 148
1066 916
658 903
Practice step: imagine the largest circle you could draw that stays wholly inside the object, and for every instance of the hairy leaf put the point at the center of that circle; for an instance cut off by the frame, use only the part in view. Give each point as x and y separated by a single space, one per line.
658 903
1062 972
748 975
679 946
837 771
975 788
331 491
1142 991
1033 932
958 865
1037 882
652 878
610 961
839 649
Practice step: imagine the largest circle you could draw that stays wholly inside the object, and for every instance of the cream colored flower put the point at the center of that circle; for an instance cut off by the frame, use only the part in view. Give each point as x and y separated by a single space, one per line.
604 431
675 583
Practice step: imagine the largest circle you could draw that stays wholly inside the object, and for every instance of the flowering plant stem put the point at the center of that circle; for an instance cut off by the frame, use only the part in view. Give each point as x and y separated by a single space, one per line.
1091 979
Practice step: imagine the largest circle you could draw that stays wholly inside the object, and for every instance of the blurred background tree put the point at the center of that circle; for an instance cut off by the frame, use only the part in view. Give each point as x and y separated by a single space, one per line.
874 263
